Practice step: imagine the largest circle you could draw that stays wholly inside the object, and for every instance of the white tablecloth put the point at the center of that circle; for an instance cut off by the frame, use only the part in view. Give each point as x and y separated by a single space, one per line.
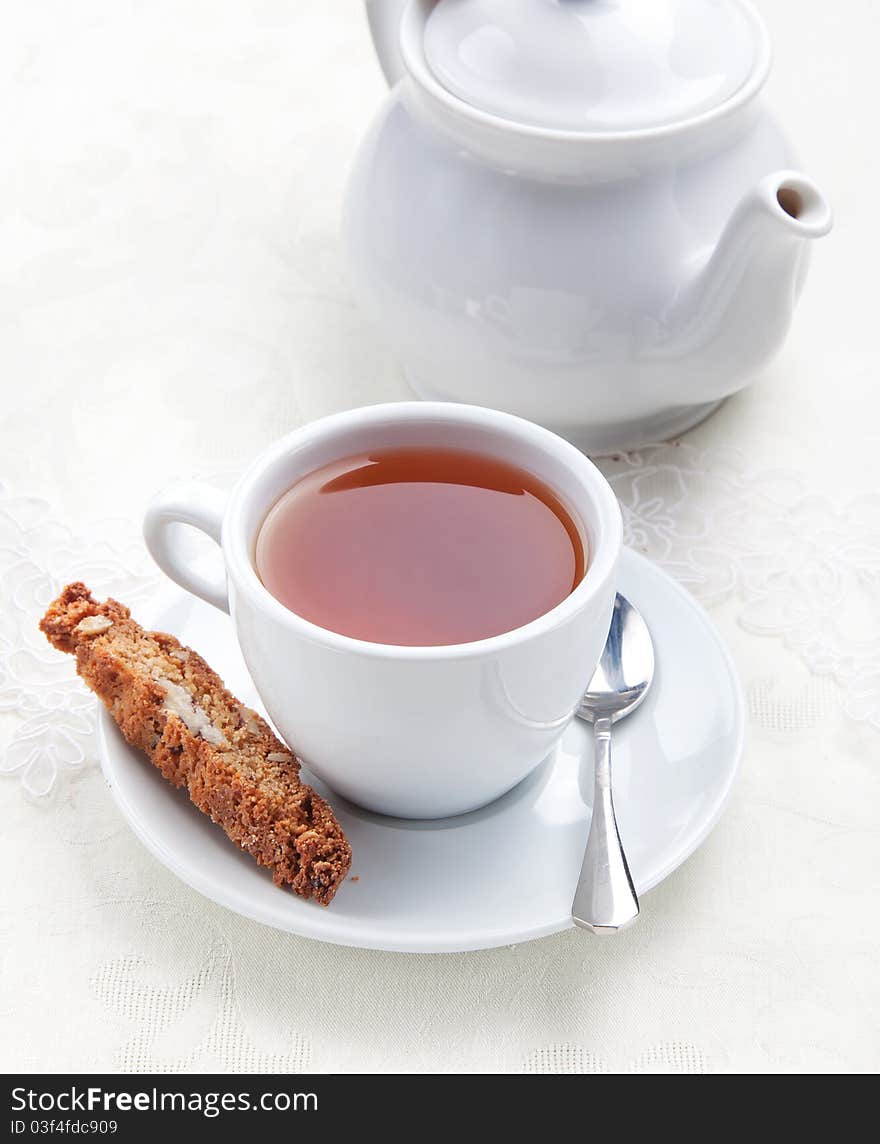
172 296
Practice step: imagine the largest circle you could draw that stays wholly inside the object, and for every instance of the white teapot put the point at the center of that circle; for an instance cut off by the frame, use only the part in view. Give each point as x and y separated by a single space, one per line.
579 210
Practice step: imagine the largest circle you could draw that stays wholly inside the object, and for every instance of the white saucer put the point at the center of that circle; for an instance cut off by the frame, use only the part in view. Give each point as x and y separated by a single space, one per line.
500 875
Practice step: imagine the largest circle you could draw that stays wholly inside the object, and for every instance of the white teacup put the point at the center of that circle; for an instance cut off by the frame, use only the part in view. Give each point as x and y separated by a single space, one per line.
420 732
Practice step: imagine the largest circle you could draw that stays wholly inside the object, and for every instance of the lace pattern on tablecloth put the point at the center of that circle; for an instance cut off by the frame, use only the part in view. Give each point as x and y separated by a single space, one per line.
668 1057
798 568
201 1010
38 555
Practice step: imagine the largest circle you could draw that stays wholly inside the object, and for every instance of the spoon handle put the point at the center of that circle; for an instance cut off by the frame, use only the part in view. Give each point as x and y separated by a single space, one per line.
605 899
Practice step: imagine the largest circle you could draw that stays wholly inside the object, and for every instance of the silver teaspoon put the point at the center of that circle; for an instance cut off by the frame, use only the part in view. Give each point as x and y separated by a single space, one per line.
605 900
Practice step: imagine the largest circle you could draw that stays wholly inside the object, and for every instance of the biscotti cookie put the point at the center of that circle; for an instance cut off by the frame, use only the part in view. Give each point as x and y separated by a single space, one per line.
168 702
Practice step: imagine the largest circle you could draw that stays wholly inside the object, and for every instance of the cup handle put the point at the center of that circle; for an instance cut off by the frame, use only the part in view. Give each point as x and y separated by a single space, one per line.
202 507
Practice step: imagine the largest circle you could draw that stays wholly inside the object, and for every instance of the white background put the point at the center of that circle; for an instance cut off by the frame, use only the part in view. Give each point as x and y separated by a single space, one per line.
173 296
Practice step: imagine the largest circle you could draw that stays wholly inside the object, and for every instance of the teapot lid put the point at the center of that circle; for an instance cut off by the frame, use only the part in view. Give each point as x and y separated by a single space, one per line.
593 65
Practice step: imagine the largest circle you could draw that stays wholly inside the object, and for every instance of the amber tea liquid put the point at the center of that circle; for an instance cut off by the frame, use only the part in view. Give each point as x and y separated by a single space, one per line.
420 547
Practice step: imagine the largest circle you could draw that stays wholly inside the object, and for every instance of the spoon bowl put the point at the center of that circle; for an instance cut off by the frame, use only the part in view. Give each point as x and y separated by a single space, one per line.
626 669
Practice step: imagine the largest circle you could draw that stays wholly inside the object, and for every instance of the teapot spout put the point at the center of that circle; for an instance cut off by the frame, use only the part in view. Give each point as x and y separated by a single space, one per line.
735 314
758 267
